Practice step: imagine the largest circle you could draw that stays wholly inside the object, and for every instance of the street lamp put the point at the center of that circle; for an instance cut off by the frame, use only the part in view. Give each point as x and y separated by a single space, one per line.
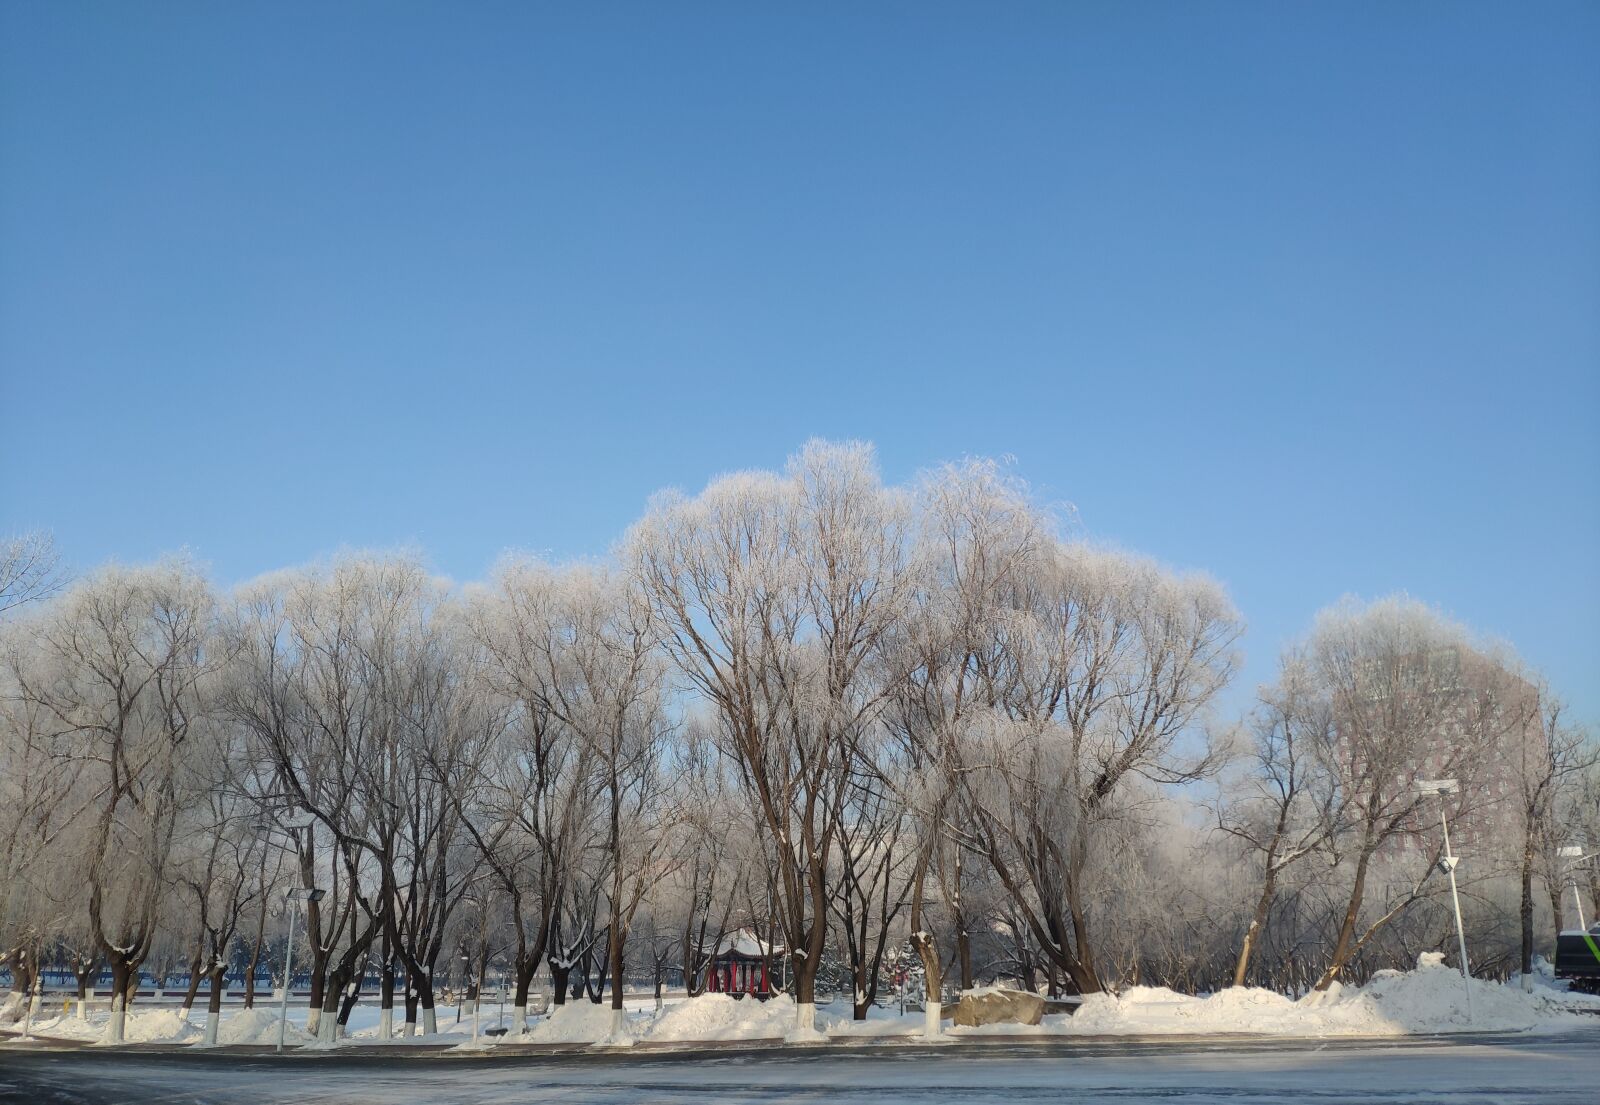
1575 853
1448 862
308 895
500 1021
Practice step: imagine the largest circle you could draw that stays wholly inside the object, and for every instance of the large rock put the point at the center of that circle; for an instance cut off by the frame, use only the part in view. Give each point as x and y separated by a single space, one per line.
998 1006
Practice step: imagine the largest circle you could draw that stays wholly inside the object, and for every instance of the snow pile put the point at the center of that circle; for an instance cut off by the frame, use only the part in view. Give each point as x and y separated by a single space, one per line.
1143 1010
722 1017
14 1008
155 1026
577 1022
1431 998
257 1026
707 1018
880 1022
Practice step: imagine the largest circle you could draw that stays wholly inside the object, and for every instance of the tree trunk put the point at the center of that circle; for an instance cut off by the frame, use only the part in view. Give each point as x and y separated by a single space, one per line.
558 981
1027 972
1258 921
319 983
1527 915
614 948
23 968
425 996
860 1002
805 992
386 1001
194 983
932 984
250 968
214 1005
328 1022
85 974
1347 927
519 1008
410 1028
595 982
116 1027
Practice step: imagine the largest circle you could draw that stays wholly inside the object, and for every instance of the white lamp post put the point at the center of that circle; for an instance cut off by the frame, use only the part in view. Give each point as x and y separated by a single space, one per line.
1442 787
1575 853
308 895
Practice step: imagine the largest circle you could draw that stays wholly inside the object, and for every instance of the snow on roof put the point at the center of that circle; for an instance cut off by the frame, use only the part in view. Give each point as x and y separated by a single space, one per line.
745 943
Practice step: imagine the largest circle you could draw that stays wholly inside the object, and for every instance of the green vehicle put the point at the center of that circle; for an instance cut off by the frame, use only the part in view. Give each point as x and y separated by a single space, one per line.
1578 958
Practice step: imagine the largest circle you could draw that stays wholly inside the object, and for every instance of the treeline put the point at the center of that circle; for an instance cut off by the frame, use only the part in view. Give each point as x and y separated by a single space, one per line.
883 728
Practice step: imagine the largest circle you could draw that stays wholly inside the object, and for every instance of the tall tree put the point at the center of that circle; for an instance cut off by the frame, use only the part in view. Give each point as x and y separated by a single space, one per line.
117 665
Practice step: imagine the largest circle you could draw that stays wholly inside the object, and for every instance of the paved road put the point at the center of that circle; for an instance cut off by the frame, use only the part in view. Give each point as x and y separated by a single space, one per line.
1487 1070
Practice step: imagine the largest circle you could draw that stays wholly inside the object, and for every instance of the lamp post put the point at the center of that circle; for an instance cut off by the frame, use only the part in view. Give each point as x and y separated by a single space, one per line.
290 827
1575 853
500 1021
477 1002
307 894
1440 788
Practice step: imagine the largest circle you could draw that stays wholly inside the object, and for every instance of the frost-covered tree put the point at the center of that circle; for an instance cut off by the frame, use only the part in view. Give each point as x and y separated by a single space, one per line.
30 569
1100 667
775 594
1284 808
117 667
1410 698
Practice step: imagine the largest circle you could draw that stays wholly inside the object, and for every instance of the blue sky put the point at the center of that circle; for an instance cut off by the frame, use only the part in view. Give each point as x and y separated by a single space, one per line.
1303 295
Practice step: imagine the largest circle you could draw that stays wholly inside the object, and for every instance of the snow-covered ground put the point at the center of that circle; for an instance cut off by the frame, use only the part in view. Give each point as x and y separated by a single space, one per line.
1429 999
1522 1069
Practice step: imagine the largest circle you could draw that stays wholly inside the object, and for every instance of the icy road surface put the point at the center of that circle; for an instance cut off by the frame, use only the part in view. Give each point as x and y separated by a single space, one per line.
1490 1070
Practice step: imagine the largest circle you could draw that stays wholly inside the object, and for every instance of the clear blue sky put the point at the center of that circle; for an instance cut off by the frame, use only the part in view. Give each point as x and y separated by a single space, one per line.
1304 295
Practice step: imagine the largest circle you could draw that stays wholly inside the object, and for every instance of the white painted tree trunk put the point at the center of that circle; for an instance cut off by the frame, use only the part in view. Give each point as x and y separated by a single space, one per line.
119 1019
619 1028
930 1020
328 1029
805 1024
386 1024
519 1020
1527 984
314 1020
409 1029
212 1020
430 1021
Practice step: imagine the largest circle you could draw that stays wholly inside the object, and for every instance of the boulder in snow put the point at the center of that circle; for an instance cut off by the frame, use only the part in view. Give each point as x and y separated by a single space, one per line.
998 1006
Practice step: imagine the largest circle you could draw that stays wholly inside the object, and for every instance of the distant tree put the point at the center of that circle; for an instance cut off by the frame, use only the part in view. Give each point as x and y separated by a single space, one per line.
30 569
1409 698
1288 807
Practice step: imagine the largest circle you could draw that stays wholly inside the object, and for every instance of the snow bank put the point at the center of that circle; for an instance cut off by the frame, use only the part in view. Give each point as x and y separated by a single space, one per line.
63 1028
722 1017
155 1026
577 1022
257 1026
879 1022
13 1008
1429 999
709 1017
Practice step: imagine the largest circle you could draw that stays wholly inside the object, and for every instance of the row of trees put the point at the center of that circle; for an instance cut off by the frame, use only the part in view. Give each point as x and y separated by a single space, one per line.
887 729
